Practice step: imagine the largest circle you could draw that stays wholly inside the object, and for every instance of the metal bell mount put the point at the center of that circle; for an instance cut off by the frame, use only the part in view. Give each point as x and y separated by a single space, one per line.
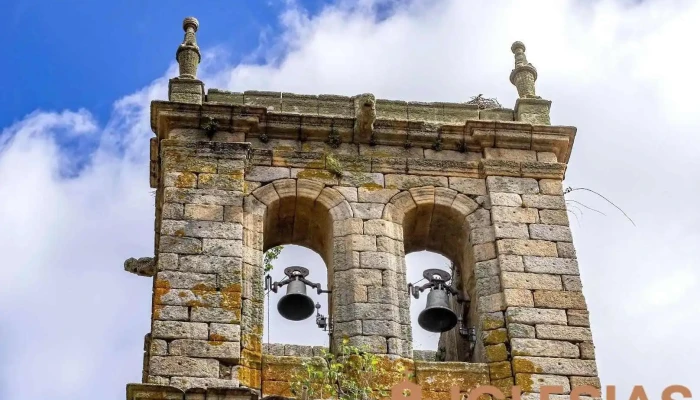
296 305
437 315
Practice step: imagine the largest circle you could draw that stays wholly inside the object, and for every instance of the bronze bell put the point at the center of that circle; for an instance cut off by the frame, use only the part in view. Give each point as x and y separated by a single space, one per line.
437 316
296 305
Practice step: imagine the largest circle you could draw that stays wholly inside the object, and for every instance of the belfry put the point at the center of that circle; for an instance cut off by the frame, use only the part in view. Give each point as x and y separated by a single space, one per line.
362 182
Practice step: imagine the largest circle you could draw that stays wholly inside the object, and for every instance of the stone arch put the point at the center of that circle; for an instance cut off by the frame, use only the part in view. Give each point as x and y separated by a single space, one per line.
286 211
449 223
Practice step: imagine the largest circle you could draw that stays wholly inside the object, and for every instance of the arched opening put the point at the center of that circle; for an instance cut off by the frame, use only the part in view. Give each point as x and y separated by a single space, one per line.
297 214
425 344
440 220
278 330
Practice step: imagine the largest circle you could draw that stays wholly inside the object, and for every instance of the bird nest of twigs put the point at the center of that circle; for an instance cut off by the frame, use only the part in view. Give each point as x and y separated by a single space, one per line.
484 102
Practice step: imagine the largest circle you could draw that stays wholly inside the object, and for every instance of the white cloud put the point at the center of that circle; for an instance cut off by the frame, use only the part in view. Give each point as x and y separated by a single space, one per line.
619 71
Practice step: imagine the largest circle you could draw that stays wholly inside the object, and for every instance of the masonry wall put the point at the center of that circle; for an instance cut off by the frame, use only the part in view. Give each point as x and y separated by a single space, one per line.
498 214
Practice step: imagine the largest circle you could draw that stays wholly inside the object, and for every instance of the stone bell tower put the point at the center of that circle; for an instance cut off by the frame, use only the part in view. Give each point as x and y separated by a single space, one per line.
362 182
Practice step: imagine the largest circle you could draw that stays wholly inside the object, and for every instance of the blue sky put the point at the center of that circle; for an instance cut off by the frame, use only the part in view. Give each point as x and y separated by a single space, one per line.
75 201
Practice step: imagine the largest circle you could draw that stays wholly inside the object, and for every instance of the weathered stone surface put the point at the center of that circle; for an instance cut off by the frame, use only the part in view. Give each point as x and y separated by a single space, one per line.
559 332
554 233
485 269
532 316
184 366
144 266
578 318
222 247
375 195
505 184
381 328
572 283
554 217
173 211
587 350
551 186
533 382
554 366
560 299
297 351
210 264
267 174
204 212
550 265
484 251
404 182
492 320
577 381
185 280
482 235
518 298
367 210
509 230
543 348
488 286
180 245
526 247
521 331
495 336
506 199
171 313
179 330
225 332
521 280
158 347
185 383
468 185
566 250
491 303
496 353
514 214
544 201
206 349
511 263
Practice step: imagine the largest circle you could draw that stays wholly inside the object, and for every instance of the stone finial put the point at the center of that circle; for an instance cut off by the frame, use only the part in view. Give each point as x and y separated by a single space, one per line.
188 55
524 74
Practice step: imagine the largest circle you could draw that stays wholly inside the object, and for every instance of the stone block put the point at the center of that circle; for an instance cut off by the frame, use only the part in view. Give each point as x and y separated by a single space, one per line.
348 226
506 199
505 184
587 350
485 269
566 250
554 217
484 251
492 320
185 383
518 298
500 370
550 265
482 235
210 264
404 182
221 181
298 351
514 214
222 247
230 351
551 186
511 263
267 174
495 336
172 211
509 230
390 246
554 233
559 299
560 332
379 260
349 192
380 227
544 201
488 286
509 154
572 283
554 366
179 330
526 247
184 366
381 328
215 314
468 186
225 332
521 331
202 229
363 242
543 348
533 382
185 280
532 316
523 280
367 210
204 212
496 353
180 245
171 313
491 303
578 381
358 179
375 195
578 318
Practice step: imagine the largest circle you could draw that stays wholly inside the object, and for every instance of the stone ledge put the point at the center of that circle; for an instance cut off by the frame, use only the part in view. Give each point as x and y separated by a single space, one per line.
145 391
247 122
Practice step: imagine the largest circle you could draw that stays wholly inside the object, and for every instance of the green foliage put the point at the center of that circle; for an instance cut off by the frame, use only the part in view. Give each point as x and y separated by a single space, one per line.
352 374
270 256
333 165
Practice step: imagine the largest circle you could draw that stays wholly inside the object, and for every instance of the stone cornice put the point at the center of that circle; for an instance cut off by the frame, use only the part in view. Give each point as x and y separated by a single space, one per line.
256 121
